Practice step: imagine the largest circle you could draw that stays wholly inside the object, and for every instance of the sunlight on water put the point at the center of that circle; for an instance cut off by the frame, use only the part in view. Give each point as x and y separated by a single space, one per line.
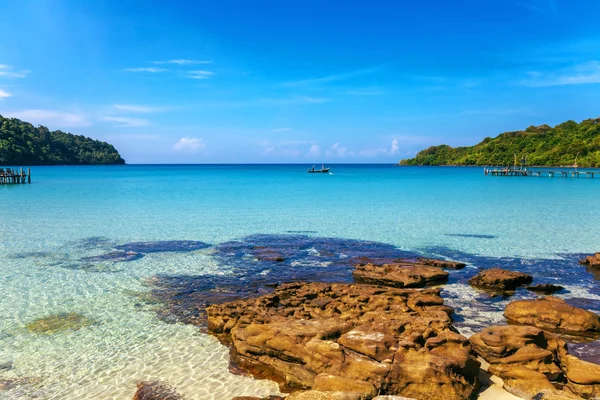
72 213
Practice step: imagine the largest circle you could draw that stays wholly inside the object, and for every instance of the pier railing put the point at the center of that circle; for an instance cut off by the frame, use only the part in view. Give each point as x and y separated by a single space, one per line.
13 176
550 173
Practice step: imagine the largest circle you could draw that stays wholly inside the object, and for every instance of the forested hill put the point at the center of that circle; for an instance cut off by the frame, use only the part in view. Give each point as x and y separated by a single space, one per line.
542 145
23 144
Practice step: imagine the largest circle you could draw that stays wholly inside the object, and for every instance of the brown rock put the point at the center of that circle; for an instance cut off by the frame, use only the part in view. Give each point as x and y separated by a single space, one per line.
319 395
333 383
553 314
442 263
497 279
399 275
535 364
545 288
271 397
155 391
592 261
353 341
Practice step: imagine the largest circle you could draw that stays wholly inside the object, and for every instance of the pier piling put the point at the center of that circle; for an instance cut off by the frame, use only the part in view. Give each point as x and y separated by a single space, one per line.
11 176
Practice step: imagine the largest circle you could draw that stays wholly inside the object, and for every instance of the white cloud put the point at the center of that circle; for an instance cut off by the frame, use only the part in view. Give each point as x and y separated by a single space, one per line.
580 74
282 130
148 69
314 151
200 74
331 78
183 62
338 151
4 94
6 71
189 145
50 117
136 108
126 122
381 152
313 100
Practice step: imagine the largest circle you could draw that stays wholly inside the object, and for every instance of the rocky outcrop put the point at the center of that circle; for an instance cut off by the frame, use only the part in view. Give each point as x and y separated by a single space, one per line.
442 263
545 288
535 364
500 280
399 275
155 391
553 314
347 341
592 261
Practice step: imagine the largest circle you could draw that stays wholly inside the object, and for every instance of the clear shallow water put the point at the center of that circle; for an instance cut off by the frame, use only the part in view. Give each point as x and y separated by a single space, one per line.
533 224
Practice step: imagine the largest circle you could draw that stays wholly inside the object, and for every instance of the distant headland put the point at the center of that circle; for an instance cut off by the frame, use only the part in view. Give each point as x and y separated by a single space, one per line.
566 144
21 143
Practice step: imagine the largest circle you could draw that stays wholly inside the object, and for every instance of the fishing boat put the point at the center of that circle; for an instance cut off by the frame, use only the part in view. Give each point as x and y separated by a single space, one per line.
317 171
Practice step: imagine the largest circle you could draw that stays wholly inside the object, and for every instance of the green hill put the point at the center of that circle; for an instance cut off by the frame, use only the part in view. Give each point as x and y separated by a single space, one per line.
23 144
542 145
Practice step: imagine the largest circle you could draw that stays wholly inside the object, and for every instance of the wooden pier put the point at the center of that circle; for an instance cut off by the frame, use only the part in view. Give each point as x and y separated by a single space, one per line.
10 176
550 173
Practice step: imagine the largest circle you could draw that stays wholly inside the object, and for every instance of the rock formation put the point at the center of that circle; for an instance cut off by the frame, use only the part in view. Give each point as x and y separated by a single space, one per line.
545 288
442 263
535 364
500 280
350 342
399 275
553 314
592 261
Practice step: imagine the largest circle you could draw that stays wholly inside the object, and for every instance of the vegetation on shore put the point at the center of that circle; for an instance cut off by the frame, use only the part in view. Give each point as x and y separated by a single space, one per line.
542 145
23 144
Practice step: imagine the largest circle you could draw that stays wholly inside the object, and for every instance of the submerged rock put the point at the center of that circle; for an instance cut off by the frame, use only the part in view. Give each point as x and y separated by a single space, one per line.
553 314
58 323
115 256
348 341
472 235
535 364
156 391
163 246
264 253
399 275
592 261
545 288
6 366
500 280
284 258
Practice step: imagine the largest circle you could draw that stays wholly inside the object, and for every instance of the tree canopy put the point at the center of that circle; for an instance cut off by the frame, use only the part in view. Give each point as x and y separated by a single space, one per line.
21 143
542 145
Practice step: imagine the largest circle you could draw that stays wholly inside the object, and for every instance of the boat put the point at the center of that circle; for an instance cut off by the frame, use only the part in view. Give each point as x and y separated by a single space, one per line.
316 171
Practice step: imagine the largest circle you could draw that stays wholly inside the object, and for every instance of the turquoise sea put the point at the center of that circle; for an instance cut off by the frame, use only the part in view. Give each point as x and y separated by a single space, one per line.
50 229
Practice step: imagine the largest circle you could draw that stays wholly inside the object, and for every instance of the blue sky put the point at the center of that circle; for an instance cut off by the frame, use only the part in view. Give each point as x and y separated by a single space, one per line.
310 81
